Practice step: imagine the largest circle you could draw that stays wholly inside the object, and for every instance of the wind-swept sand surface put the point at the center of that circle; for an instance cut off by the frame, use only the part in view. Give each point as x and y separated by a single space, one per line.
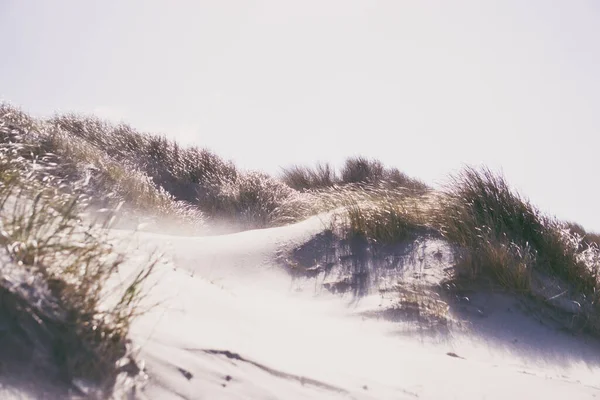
232 324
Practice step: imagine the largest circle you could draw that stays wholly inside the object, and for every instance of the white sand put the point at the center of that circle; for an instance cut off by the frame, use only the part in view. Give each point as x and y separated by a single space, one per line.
224 294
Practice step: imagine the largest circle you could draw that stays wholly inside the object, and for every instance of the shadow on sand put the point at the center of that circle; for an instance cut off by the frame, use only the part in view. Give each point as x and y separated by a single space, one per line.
410 277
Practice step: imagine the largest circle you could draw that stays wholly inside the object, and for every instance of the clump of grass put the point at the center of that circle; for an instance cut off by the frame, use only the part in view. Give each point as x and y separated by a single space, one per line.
304 178
387 219
178 170
482 213
362 170
507 238
153 174
356 171
55 267
249 200
106 179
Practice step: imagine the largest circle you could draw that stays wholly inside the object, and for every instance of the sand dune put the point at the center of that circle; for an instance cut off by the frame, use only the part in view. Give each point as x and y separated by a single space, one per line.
232 324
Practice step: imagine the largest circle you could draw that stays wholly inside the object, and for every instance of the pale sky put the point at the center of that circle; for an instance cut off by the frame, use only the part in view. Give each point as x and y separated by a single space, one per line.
425 86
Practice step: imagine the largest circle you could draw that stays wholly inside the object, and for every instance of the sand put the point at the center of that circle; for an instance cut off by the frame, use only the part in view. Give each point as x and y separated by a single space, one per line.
232 324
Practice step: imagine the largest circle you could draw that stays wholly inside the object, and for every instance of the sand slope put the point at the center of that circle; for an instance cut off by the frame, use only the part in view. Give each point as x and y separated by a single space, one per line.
232 325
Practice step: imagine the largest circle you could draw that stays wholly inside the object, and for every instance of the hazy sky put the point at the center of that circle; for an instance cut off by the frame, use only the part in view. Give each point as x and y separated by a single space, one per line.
422 85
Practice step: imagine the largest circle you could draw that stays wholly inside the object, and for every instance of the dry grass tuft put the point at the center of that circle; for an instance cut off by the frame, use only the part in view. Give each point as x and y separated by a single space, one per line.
304 178
388 218
249 200
356 171
55 266
504 231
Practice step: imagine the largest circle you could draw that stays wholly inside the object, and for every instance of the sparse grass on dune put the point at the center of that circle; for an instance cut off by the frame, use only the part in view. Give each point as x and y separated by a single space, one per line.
499 236
54 269
154 176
